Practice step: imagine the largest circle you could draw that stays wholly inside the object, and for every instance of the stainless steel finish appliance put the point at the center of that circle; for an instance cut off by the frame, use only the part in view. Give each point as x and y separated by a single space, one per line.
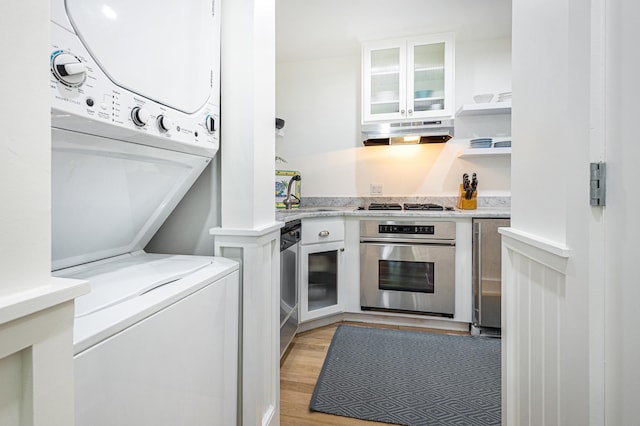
408 266
487 266
407 132
289 244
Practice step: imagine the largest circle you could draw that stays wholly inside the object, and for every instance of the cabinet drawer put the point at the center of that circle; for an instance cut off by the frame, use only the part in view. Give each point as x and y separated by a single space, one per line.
322 230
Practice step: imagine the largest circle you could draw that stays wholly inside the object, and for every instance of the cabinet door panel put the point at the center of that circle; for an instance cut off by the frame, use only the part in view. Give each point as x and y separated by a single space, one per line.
320 271
428 77
384 81
431 76
408 78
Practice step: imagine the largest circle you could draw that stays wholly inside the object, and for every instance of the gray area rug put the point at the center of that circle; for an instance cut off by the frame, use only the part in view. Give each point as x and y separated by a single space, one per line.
410 378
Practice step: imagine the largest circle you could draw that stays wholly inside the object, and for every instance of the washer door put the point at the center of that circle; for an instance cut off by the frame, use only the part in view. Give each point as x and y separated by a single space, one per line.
136 45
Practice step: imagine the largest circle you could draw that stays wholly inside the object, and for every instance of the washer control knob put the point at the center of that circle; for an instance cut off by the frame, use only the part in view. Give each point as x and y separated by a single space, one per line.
68 69
140 116
210 123
164 123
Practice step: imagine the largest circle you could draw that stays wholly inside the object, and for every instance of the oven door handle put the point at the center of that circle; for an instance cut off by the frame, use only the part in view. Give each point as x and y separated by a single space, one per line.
386 241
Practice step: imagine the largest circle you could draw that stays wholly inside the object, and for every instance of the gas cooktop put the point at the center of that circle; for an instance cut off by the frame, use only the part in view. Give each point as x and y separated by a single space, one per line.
407 206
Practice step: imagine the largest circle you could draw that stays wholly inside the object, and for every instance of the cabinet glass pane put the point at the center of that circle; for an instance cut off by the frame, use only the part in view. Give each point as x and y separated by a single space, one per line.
385 81
428 77
323 280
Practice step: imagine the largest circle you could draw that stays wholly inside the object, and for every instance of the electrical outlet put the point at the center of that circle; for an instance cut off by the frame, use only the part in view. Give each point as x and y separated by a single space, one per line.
375 189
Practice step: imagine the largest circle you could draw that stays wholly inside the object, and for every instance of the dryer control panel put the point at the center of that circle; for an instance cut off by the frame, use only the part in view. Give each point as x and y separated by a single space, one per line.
84 99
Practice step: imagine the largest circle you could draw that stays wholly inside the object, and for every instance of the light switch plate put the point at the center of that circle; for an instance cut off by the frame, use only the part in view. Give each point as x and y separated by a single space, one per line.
375 189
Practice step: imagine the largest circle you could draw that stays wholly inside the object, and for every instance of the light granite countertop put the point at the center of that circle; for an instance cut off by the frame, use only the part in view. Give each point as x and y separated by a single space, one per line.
489 206
312 212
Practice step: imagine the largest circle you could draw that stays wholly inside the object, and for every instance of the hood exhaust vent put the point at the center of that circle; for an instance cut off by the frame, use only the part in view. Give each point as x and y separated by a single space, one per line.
407 133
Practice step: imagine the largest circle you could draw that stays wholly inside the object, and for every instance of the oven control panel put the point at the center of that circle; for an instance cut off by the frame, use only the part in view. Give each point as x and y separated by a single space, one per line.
406 229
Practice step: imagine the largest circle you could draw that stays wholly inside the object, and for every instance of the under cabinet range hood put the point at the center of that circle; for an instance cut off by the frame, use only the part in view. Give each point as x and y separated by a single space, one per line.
407 132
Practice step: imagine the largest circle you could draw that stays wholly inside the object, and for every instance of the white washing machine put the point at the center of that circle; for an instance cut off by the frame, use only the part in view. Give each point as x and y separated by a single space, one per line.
135 115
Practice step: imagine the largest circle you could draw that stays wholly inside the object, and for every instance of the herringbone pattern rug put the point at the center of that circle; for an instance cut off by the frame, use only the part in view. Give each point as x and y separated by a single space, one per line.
410 378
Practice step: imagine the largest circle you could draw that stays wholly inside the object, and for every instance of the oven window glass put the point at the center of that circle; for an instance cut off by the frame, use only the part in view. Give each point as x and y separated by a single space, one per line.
402 275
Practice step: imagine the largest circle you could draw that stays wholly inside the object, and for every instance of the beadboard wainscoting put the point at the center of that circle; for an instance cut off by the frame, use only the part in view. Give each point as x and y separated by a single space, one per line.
258 382
533 355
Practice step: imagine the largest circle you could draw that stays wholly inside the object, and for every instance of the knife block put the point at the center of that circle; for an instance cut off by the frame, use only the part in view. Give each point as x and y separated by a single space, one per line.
463 203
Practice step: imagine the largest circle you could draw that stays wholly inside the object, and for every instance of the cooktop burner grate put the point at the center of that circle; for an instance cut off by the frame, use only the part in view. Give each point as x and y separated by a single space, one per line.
420 206
385 206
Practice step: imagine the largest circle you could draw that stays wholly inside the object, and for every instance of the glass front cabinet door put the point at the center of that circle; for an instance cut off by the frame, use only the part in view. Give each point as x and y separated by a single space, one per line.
320 279
408 78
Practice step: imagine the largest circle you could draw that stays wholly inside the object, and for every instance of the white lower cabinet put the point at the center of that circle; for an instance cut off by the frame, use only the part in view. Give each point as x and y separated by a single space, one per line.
321 255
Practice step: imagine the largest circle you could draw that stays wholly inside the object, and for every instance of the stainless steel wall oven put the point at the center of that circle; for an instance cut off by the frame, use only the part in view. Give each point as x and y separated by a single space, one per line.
408 266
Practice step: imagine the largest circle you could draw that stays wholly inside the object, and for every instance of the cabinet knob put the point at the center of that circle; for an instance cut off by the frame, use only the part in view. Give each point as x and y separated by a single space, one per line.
323 233
410 111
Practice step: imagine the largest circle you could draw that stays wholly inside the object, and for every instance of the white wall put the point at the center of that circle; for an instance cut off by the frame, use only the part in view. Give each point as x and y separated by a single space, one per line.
248 229
320 102
25 148
541 131
36 312
482 66
247 113
623 151
553 280
186 230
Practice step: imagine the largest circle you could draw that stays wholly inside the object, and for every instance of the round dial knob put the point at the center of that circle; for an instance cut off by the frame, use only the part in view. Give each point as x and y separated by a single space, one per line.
68 69
210 123
140 116
164 123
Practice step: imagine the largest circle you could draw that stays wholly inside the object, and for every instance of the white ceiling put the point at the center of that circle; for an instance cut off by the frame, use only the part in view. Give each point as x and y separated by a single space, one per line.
313 29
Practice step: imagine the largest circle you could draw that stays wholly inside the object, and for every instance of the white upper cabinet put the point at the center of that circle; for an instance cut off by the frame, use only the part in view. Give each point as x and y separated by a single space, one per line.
408 78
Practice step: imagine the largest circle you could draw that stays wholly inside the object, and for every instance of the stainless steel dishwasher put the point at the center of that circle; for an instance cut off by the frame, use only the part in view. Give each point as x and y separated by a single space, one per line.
487 274
289 244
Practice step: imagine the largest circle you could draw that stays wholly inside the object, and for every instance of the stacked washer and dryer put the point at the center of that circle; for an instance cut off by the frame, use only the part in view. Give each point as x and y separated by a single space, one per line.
135 113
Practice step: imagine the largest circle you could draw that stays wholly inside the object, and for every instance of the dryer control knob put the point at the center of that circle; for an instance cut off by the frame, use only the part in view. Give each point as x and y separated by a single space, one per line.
68 69
164 123
140 116
210 123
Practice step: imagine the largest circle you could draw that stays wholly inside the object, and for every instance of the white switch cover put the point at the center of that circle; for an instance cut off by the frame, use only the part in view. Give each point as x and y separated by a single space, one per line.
375 189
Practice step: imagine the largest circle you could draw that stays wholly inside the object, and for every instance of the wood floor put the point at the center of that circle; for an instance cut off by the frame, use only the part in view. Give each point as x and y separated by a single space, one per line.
299 372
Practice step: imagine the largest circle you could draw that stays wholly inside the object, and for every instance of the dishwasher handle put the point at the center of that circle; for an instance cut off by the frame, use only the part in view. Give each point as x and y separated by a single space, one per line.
477 270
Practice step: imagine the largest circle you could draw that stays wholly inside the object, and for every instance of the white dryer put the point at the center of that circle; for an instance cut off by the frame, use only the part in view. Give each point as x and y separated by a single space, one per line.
135 116
142 71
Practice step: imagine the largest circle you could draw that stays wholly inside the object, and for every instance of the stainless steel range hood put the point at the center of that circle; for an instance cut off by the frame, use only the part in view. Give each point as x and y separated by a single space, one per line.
407 132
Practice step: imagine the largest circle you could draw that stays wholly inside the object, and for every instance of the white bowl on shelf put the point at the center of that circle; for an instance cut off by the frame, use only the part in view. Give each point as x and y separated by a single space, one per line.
483 98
